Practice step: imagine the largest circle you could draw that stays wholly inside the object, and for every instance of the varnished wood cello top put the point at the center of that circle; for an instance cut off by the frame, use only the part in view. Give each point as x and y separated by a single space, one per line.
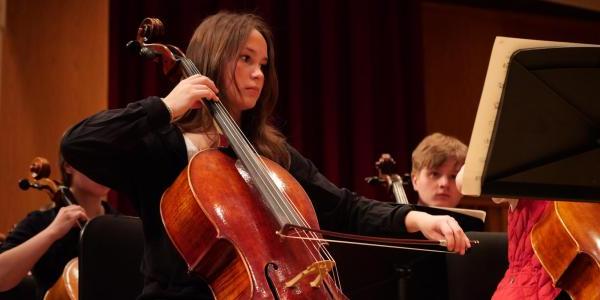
567 242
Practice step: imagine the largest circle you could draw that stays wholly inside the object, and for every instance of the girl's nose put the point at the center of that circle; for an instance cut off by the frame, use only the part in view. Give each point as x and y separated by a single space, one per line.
257 73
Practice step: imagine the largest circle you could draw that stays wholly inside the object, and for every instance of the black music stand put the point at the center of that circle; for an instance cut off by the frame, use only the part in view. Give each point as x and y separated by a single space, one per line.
546 138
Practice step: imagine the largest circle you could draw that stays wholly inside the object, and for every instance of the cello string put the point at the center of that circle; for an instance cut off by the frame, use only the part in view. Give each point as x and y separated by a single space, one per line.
272 189
323 251
369 244
398 189
238 137
263 176
318 248
399 192
250 154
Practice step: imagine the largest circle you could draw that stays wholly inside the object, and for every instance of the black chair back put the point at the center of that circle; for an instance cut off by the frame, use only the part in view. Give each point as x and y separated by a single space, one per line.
476 275
27 289
111 249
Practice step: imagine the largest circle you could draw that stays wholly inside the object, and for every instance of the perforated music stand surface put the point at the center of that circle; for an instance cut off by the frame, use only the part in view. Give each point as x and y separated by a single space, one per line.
546 137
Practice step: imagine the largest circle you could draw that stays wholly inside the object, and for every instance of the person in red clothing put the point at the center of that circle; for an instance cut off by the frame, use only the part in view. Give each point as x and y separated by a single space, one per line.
525 277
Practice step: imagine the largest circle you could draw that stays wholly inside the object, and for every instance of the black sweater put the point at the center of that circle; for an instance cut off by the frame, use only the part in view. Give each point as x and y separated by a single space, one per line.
137 151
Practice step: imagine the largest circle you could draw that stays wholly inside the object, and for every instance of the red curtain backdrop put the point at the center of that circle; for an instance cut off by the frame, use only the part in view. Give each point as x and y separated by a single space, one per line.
349 85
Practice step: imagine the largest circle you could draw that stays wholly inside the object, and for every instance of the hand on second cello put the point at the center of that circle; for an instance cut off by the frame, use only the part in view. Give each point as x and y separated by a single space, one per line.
67 218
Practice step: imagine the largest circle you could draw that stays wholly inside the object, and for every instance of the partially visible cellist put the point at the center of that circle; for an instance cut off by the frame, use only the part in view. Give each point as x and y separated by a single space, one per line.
45 240
525 278
142 149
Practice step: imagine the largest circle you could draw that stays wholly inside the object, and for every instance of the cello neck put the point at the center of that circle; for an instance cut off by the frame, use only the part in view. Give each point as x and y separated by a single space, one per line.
398 190
253 164
386 176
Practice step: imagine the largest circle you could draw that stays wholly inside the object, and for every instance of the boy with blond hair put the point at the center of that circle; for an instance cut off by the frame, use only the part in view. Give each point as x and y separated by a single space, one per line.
435 164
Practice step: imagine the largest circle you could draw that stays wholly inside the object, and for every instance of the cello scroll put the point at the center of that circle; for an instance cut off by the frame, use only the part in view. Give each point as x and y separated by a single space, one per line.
387 177
168 55
40 172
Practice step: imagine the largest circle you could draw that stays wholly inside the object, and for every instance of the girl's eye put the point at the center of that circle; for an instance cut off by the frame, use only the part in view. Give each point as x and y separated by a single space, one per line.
245 58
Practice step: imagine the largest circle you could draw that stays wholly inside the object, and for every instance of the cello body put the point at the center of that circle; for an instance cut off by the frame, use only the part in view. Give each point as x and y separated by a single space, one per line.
67 285
566 241
224 232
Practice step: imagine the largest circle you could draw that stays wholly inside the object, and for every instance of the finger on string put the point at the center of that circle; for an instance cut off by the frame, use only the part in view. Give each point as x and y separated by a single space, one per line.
206 93
208 82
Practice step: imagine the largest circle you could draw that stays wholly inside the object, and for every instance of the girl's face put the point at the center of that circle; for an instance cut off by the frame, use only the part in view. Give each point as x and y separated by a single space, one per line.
437 187
85 185
243 88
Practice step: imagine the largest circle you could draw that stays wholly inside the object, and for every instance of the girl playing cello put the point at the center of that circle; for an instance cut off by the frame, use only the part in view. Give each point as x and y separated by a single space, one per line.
46 240
235 54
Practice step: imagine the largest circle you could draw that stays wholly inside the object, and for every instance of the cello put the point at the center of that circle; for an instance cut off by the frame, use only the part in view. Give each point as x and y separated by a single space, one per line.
389 179
469 219
271 257
67 285
566 240
209 226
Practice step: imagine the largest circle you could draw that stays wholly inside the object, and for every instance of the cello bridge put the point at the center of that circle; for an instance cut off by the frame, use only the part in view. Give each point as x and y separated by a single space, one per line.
320 268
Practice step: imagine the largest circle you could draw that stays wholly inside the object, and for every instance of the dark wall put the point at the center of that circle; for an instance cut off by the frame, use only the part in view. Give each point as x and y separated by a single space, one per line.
457 41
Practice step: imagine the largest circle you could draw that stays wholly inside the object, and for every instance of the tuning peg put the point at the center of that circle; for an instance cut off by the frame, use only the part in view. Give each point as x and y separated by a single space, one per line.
24 184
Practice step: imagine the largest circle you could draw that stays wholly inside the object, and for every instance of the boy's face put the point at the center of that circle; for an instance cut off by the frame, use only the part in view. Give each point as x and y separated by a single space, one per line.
437 187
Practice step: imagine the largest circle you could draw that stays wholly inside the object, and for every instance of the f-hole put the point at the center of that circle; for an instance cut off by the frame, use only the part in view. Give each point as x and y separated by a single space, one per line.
270 281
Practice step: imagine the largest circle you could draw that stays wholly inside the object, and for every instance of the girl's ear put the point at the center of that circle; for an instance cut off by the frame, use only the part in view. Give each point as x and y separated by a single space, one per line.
68 168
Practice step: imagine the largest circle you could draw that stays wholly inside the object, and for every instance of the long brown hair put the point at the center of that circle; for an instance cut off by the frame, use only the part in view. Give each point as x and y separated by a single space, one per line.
217 41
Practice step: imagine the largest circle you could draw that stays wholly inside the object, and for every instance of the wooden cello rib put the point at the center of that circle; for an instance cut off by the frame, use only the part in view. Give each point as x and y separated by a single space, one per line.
235 242
566 241
67 285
